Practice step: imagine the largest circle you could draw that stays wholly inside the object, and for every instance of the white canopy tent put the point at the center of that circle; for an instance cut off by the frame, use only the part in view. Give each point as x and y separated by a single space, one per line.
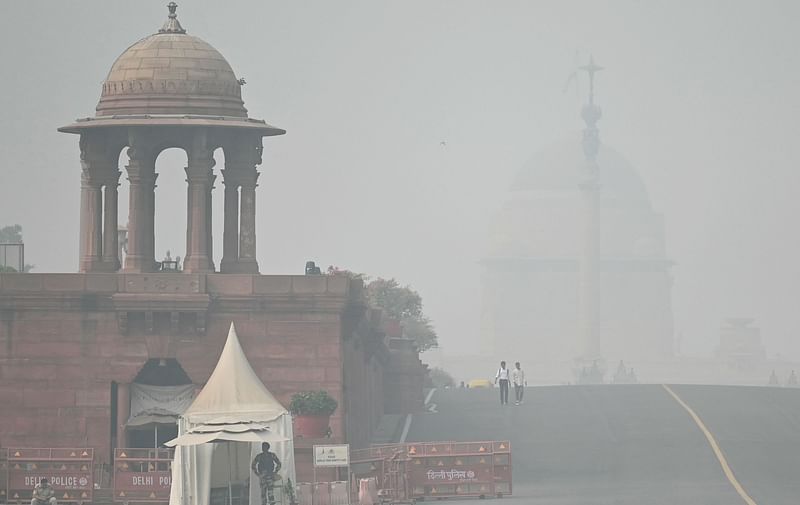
236 408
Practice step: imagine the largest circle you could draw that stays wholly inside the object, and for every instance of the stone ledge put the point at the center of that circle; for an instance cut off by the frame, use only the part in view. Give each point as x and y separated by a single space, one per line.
184 283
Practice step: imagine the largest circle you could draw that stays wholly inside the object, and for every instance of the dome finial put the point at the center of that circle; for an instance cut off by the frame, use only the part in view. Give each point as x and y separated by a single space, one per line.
172 25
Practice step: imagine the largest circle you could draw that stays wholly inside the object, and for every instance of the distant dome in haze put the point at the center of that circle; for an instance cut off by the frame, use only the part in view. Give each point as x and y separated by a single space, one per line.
543 215
560 167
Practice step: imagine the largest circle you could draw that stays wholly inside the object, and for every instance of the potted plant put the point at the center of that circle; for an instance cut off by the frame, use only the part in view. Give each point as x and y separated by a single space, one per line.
311 411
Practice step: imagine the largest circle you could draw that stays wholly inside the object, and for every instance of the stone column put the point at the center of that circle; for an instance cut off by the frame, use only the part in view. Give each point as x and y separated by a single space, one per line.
123 412
200 178
141 213
247 223
91 222
110 224
230 235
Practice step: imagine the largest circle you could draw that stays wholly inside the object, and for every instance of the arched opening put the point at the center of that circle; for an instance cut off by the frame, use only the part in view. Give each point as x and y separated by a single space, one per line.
160 392
123 201
170 205
218 205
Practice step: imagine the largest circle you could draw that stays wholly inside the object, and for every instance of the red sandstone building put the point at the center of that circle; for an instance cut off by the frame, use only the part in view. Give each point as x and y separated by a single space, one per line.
72 345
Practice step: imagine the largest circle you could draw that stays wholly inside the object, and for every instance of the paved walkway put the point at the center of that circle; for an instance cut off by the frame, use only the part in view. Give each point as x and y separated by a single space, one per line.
636 444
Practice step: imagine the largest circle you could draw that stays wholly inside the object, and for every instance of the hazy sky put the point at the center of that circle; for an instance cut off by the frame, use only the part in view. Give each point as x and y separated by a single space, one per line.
700 96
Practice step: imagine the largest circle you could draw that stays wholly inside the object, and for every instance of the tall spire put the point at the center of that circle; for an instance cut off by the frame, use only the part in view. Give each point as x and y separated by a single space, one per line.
591 114
590 190
172 25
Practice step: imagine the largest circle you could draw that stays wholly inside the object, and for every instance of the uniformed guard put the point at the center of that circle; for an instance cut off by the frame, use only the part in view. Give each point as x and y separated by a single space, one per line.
266 465
43 494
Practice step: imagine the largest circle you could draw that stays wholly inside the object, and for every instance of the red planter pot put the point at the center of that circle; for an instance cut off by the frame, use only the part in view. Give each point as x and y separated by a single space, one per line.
311 426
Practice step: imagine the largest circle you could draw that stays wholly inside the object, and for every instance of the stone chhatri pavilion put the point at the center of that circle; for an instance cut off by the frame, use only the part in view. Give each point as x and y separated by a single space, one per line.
73 347
169 89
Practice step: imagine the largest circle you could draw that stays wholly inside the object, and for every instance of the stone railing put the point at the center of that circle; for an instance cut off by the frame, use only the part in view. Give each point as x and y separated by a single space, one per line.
171 283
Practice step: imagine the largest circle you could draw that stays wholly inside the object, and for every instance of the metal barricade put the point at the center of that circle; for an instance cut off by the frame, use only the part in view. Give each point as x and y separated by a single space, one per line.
142 475
69 472
438 469
3 475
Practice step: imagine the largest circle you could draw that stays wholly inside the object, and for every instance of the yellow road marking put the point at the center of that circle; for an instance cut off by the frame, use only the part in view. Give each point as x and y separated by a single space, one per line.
726 469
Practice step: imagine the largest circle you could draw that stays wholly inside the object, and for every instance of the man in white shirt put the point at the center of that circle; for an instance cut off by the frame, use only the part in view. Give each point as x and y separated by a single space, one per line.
502 377
518 379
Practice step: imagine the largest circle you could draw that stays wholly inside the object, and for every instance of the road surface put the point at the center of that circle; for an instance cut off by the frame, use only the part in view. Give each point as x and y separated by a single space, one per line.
634 444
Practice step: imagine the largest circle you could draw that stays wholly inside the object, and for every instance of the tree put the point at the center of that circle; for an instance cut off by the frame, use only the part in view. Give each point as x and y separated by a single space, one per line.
11 234
398 302
422 331
405 305
333 270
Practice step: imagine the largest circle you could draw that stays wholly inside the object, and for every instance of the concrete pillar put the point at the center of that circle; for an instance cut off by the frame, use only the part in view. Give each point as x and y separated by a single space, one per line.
141 213
230 235
200 179
247 223
110 224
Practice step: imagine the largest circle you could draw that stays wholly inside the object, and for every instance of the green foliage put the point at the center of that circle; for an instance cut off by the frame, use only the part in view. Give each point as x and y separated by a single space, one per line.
405 305
440 378
11 234
333 270
312 403
421 331
399 302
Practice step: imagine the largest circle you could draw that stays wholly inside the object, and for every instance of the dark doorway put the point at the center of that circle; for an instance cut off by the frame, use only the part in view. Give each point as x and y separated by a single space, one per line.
163 373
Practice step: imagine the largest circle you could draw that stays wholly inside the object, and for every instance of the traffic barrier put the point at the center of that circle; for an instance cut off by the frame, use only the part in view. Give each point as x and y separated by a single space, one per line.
142 475
3 475
69 472
325 493
340 493
304 490
441 469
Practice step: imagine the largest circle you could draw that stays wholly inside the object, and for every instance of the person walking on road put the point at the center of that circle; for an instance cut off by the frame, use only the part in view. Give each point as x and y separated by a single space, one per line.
518 380
502 377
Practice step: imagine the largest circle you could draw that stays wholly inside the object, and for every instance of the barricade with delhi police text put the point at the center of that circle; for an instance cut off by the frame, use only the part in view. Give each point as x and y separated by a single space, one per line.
441 469
142 476
69 471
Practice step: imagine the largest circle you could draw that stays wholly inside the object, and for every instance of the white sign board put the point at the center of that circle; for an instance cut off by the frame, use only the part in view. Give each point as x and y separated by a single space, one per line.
332 455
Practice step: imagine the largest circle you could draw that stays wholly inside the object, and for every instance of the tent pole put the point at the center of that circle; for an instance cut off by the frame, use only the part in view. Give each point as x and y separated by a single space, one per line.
230 476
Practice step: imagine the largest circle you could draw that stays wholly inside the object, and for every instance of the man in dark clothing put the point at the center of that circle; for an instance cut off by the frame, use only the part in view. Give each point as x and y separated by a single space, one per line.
266 465
43 494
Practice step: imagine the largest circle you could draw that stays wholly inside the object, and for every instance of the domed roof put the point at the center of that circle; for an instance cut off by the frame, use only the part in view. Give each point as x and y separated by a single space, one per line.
171 72
561 167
